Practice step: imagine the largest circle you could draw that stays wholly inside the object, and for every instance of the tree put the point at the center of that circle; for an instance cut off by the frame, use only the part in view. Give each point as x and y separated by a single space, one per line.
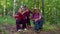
4 7
43 7
14 7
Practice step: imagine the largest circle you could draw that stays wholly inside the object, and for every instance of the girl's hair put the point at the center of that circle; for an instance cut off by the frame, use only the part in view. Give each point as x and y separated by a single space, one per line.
27 7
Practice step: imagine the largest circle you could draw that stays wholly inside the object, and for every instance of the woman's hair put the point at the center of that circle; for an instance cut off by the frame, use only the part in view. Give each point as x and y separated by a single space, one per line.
35 10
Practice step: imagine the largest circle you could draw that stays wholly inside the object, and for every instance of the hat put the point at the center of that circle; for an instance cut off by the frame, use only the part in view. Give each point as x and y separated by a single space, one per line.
35 8
24 6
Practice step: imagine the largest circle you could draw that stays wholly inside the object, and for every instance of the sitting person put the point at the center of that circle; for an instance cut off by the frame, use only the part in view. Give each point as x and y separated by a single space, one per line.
36 16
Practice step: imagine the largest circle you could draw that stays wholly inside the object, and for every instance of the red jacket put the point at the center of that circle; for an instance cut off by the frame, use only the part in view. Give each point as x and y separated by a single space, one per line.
20 16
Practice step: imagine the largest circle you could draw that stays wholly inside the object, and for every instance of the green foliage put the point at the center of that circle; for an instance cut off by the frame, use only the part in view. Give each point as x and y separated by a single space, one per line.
7 20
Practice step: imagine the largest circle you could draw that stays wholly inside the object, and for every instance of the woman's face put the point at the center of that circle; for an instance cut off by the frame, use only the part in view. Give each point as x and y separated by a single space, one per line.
36 11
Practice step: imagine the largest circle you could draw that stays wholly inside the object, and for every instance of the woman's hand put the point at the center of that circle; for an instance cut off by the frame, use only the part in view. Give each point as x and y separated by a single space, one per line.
36 19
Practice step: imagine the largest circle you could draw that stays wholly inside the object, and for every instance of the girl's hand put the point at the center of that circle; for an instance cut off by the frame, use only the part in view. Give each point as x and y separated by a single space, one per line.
15 16
23 12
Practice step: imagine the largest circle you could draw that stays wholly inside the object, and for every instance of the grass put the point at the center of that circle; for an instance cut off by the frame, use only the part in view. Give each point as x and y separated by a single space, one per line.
7 20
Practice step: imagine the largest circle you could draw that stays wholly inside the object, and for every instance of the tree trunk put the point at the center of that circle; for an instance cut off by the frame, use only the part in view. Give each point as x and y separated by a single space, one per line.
14 7
42 7
39 4
35 3
4 7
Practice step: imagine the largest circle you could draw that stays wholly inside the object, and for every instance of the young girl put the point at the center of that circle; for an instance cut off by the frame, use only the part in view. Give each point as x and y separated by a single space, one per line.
20 20
36 19
28 12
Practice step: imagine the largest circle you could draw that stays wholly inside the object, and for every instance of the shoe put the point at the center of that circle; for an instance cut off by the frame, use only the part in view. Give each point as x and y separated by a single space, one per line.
38 31
19 30
30 26
25 29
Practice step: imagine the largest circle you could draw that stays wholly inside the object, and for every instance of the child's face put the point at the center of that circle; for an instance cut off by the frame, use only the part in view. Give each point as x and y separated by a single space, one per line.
27 10
21 10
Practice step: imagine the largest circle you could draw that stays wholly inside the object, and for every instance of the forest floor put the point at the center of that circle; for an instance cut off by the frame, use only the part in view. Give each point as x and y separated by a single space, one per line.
11 29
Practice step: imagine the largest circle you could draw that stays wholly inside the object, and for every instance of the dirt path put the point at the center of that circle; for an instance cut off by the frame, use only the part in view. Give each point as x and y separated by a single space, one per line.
11 29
